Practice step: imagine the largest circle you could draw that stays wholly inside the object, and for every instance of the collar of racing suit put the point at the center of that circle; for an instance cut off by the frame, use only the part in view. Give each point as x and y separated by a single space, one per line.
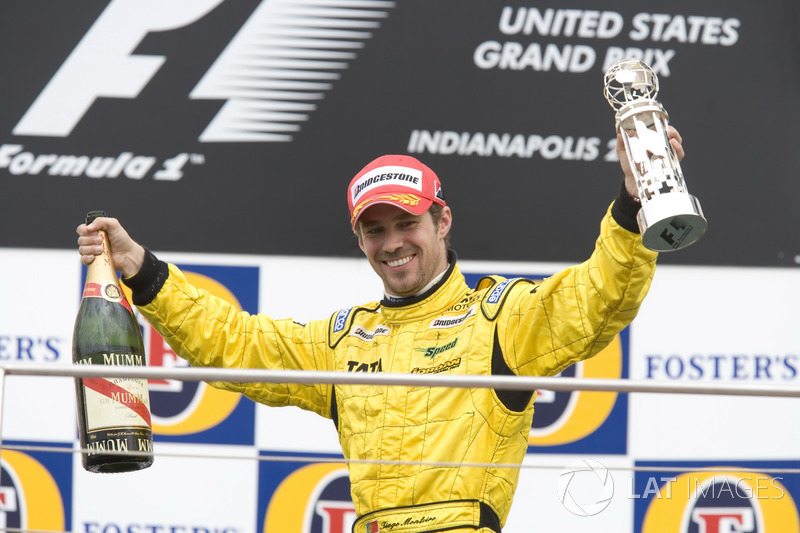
449 290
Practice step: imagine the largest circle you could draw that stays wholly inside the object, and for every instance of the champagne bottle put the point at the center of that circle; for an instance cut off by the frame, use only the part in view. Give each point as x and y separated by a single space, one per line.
113 413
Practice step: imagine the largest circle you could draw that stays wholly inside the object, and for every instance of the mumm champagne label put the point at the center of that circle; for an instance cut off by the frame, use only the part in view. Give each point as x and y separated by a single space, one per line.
108 291
112 402
120 441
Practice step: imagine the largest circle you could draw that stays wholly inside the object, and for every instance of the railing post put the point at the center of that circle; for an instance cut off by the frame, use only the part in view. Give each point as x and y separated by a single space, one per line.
2 404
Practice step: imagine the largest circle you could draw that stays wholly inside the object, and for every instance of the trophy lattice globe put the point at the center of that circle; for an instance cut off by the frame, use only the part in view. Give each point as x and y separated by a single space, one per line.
628 80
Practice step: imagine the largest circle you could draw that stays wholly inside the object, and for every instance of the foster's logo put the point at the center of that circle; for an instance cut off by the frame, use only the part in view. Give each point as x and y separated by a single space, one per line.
314 498
34 491
723 501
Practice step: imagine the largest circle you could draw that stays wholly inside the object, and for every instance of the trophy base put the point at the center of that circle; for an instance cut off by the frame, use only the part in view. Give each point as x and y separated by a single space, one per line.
671 221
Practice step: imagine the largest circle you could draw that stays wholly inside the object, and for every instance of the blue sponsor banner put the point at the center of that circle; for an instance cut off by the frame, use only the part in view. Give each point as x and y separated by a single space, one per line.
36 487
586 422
308 493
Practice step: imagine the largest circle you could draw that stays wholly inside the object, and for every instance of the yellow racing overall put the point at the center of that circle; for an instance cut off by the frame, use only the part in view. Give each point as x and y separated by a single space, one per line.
420 440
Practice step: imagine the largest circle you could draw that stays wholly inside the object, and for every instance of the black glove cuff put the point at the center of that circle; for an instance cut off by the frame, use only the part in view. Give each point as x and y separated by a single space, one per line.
146 283
625 208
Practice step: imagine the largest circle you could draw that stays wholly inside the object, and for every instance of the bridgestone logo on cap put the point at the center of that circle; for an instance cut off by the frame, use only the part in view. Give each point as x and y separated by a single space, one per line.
410 178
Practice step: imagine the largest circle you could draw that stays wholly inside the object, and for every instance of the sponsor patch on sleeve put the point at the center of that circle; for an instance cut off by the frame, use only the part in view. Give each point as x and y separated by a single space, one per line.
494 297
341 320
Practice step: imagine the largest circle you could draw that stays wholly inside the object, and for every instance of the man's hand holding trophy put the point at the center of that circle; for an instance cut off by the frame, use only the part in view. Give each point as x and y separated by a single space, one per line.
670 217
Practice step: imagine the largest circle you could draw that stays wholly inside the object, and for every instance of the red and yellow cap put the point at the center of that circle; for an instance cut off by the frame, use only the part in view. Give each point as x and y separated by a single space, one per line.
398 180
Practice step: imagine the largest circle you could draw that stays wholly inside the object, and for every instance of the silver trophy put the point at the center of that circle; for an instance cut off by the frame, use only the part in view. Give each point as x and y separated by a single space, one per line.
670 217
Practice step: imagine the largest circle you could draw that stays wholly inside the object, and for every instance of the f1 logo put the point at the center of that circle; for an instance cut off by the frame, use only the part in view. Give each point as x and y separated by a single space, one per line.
724 520
103 63
284 72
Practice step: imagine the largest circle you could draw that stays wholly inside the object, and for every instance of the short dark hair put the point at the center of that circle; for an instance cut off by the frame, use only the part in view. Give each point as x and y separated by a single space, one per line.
436 213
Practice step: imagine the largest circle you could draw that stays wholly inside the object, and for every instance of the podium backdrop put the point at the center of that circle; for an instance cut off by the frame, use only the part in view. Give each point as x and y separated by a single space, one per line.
235 126
223 133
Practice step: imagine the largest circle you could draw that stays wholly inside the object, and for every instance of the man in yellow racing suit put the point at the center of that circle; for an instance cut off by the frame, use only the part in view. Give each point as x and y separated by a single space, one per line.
423 459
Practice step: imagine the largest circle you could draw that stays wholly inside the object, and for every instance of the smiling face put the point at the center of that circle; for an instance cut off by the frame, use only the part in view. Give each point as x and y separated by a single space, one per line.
407 251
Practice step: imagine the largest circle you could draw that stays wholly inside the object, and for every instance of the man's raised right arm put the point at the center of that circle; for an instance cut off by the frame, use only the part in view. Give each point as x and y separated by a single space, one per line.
209 331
